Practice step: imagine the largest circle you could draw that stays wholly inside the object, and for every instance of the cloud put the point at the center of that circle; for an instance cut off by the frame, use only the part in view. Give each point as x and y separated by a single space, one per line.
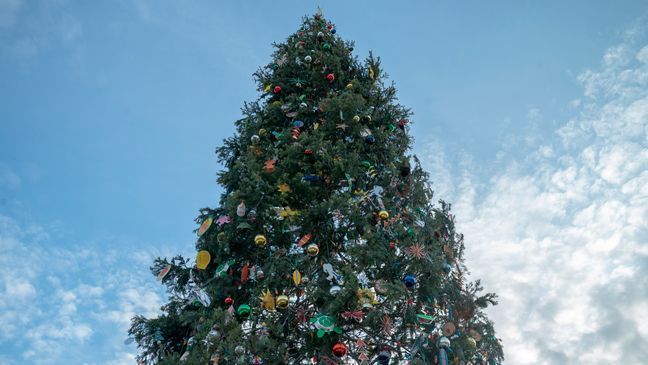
57 300
560 234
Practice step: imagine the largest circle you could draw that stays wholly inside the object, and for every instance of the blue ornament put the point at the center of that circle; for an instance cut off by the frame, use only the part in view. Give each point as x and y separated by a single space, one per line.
298 123
370 139
447 268
409 281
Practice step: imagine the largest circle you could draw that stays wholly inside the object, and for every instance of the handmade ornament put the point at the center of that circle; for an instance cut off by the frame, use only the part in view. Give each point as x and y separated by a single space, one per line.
223 219
324 325
269 166
282 302
245 273
416 251
366 298
205 226
304 240
267 300
295 132
296 277
284 188
164 272
260 240
312 249
240 210
339 349
425 319
331 275
244 310
202 259
221 270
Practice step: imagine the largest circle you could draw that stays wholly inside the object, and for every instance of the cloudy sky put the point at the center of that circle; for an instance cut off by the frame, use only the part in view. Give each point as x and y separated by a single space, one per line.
531 117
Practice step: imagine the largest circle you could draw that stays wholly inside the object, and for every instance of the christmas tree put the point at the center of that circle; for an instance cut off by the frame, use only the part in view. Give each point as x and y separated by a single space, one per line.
326 247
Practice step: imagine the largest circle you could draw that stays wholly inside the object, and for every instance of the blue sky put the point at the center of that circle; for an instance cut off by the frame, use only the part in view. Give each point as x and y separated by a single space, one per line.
530 116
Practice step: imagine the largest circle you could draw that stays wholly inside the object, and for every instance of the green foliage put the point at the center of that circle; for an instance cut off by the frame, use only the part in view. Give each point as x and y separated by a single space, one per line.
320 163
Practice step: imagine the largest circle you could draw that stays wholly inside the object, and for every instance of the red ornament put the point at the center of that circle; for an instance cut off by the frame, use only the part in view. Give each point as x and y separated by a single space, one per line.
339 349
308 152
330 77
392 245
277 89
401 123
229 301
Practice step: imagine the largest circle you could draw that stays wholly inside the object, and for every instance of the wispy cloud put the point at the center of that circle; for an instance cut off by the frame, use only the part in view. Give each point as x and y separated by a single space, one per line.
560 233
57 302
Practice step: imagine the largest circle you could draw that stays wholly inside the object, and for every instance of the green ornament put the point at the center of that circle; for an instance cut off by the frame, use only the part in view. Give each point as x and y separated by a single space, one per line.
221 270
324 325
327 46
244 310
424 319
391 127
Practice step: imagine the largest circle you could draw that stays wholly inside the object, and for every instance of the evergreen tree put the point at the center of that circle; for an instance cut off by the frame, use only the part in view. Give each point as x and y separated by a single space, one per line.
325 248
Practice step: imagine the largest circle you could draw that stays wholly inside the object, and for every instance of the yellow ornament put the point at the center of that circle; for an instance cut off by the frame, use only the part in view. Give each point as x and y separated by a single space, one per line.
263 132
312 249
471 342
282 302
202 259
366 298
383 214
356 118
284 188
316 125
349 86
287 212
260 240
267 300
296 276
267 88
371 72
276 103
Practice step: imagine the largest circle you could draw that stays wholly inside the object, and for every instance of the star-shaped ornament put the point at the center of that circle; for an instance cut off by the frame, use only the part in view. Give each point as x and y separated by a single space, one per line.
284 188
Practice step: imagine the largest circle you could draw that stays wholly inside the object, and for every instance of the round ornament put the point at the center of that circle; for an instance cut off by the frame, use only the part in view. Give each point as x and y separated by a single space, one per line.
244 310
326 46
444 342
202 259
471 342
320 34
383 214
205 226
308 59
474 334
229 301
448 329
277 89
282 302
381 286
303 105
335 289
370 139
312 249
330 77
349 86
239 350
260 240
255 138
356 118
409 281
339 349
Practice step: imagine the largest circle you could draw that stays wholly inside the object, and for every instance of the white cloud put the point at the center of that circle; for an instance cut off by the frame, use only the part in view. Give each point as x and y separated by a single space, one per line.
565 245
57 302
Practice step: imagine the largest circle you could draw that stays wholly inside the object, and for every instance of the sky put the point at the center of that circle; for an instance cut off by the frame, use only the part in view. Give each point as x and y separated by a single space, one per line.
531 117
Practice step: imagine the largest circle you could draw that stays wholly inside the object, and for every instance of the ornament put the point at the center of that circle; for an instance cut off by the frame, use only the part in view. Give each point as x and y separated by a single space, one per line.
245 272
339 349
370 139
308 59
366 298
297 278
326 46
252 215
240 210
424 319
330 77
229 301
371 72
221 270
312 249
260 240
202 259
383 357
164 272
320 35
409 281
303 105
244 310
205 226
356 118
381 286
335 289
304 240
474 334
277 89
255 139
284 188
324 325
259 274
448 329
349 86
444 342
240 350
471 342
383 214
223 219
416 251
387 325
269 166
282 302
267 300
